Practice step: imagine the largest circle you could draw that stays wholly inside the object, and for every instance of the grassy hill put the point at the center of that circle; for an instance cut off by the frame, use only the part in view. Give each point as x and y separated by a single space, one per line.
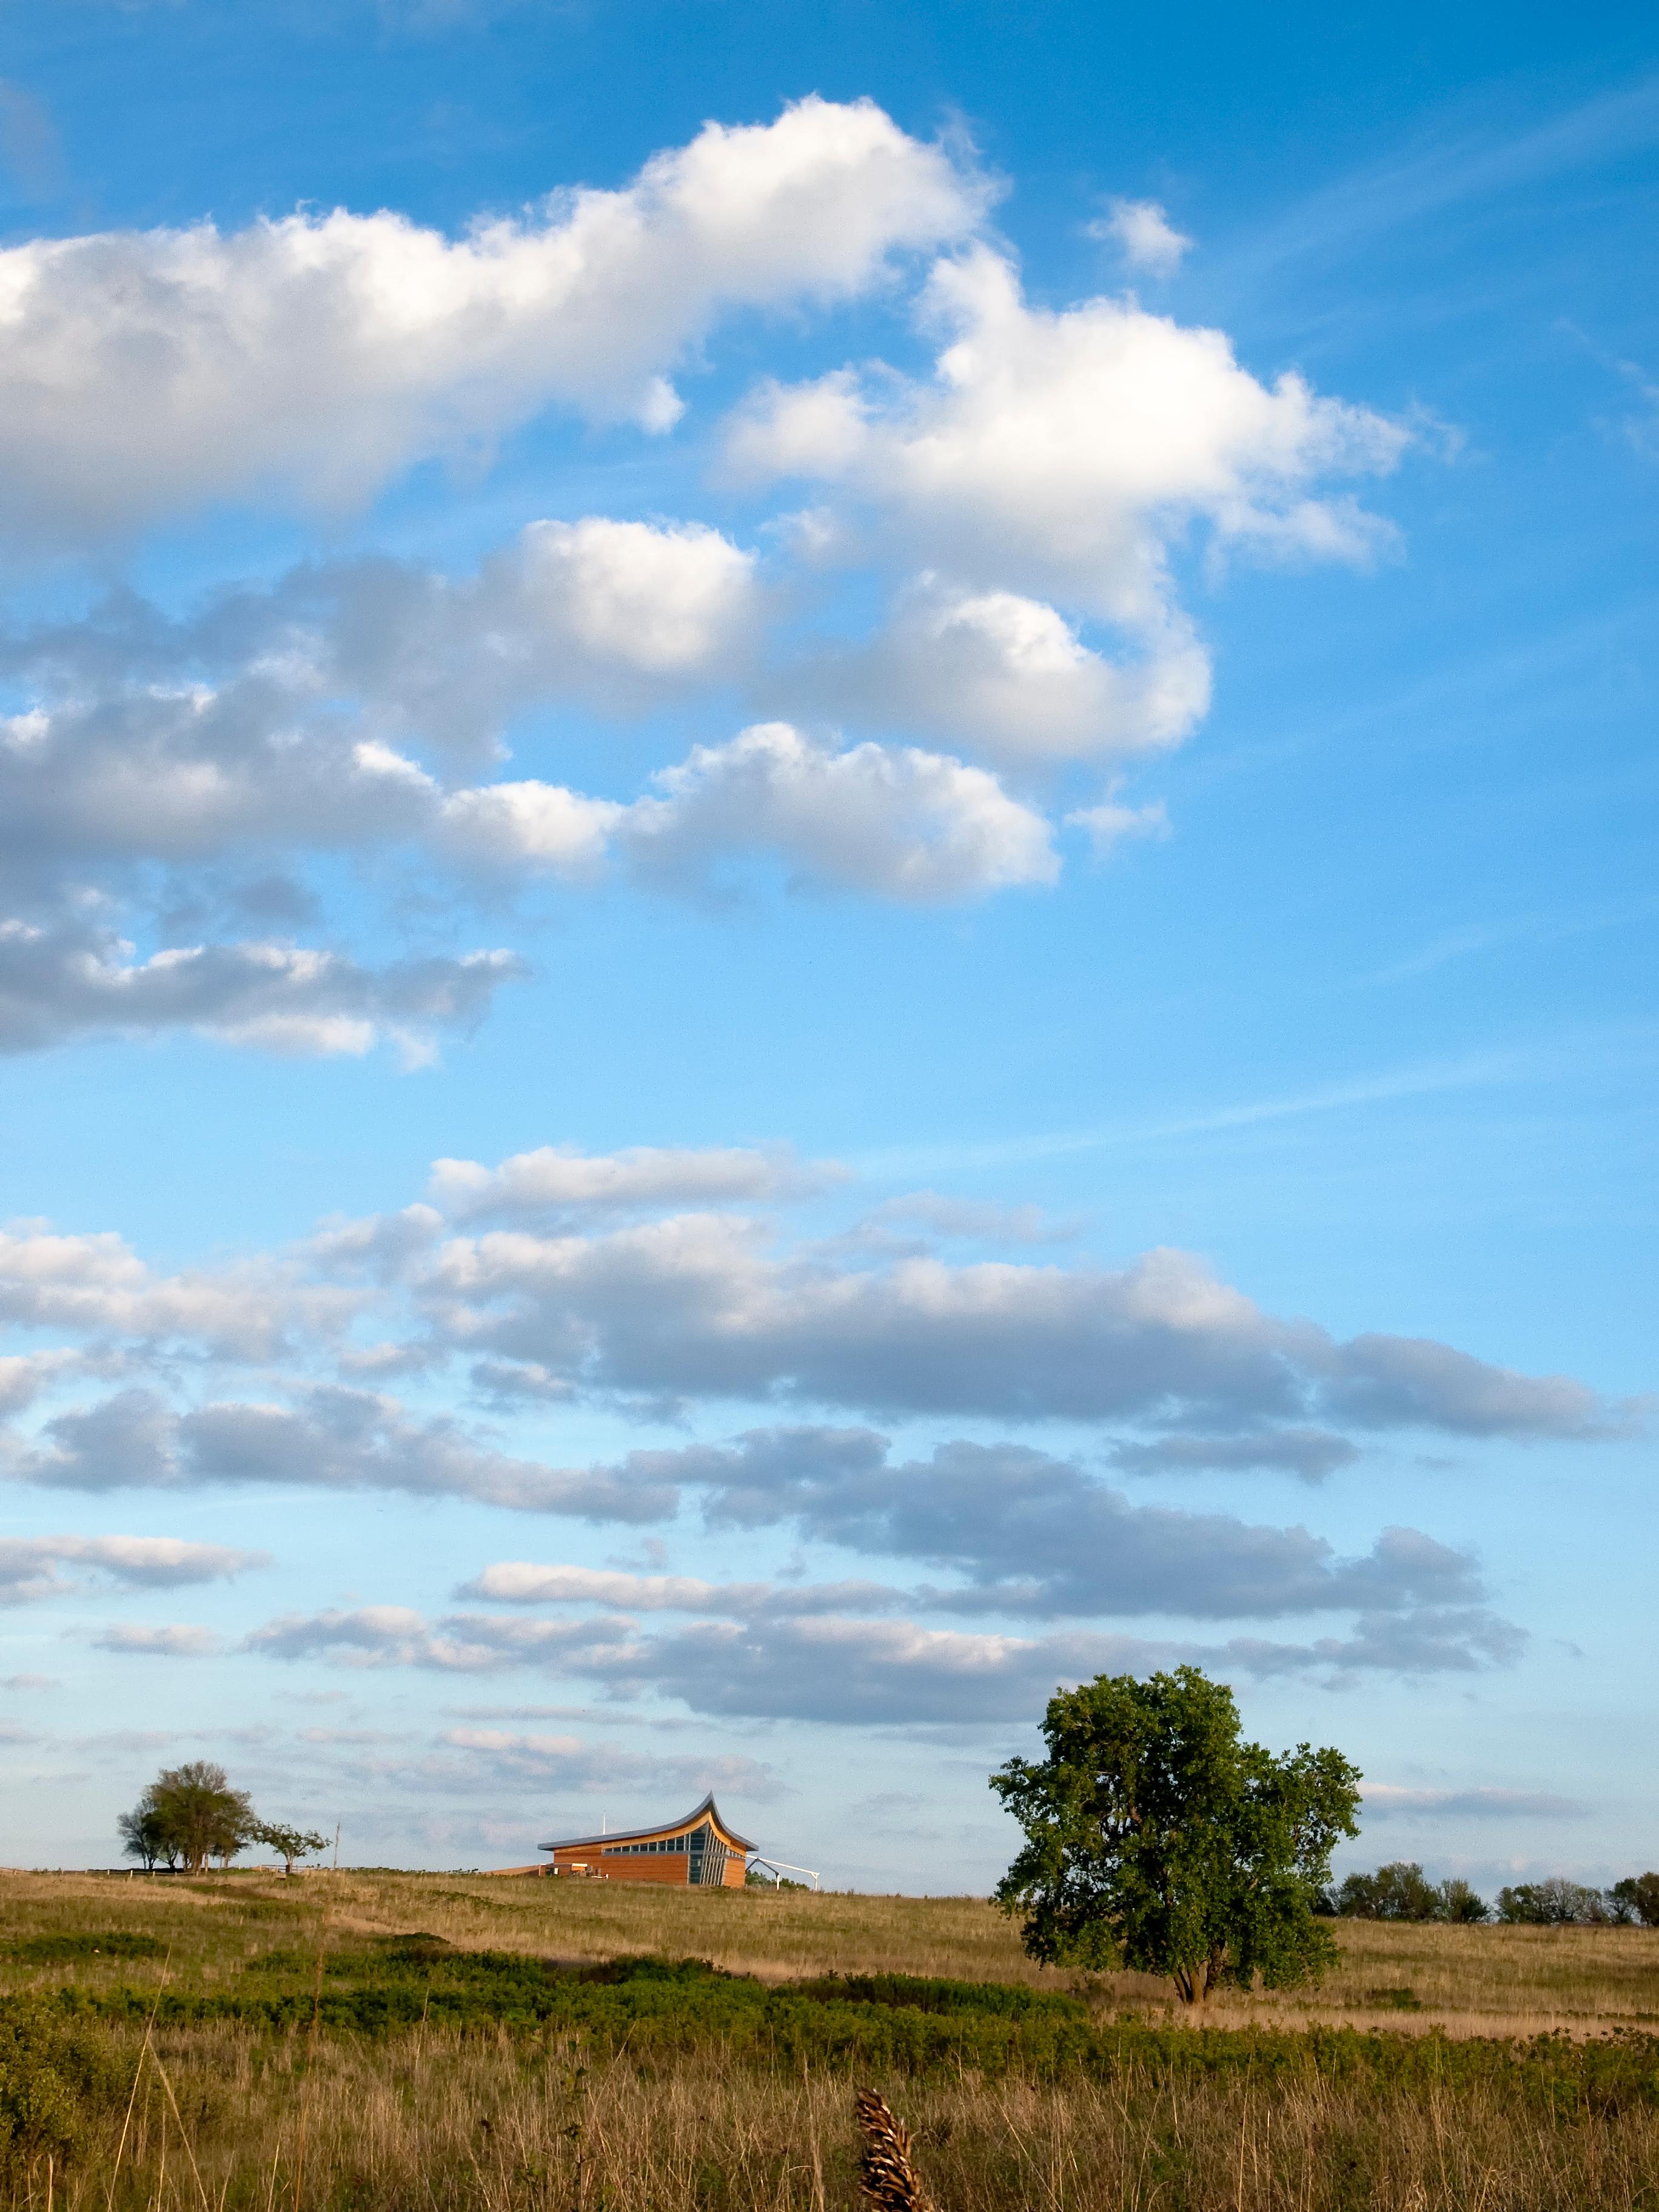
352 2042
1471 1981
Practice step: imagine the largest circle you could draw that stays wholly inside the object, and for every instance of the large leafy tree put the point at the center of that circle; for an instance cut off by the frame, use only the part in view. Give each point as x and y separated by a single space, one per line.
1156 1839
189 1813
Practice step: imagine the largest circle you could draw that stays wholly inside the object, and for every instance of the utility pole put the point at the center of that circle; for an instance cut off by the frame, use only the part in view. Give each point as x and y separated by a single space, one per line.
336 1847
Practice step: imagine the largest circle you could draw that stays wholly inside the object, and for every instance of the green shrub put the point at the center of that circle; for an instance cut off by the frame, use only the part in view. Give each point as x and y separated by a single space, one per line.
55 2074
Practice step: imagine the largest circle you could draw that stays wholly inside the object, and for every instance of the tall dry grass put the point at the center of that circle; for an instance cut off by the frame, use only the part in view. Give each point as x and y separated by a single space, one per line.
439 2124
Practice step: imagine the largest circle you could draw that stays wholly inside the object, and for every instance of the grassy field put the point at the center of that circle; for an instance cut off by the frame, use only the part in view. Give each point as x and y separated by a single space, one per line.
238 2043
1478 1981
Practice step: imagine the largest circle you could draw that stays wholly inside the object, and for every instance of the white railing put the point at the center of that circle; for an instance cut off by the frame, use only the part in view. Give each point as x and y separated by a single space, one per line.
778 1868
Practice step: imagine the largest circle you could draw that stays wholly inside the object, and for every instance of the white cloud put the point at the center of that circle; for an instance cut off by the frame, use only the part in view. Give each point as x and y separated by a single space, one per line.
621 614
559 1180
174 1640
1109 823
846 1671
521 1582
64 982
25 1375
698 1305
396 1635
1006 677
97 1287
1062 453
1143 234
896 822
333 1439
1384 1800
33 1566
147 373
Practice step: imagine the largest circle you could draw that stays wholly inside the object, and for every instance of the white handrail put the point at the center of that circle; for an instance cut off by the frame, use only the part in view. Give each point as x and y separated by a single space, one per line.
779 1866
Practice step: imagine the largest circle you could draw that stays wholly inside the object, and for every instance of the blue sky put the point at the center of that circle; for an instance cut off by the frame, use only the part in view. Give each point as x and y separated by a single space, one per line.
827 890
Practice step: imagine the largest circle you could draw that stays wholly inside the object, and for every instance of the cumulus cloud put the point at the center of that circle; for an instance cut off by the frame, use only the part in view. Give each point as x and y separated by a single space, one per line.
96 1286
1032 1533
24 1375
197 779
1143 234
1041 481
698 1305
59 984
525 1582
621 614
894 822
1006 677
561 1180
46 1566
319 355
1399 1381
1026 1533
1058 451
803 1668
334 1439
1429 1640
396 1636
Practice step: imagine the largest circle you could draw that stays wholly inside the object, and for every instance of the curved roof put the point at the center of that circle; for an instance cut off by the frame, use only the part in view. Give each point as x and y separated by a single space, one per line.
658 1828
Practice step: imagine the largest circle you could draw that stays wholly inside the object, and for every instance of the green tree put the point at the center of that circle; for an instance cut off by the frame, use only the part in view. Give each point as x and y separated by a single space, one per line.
1557 1903
1157 1839
1458 1902
1400 1891
189 1813
290 1844
1639 1896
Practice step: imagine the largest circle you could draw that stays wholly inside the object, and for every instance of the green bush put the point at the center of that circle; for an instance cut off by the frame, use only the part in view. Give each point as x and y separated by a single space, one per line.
660 2009
55 2074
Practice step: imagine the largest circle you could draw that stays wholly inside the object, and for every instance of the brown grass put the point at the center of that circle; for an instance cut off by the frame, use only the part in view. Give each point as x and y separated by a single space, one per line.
433 2121
1471 1981
447 2126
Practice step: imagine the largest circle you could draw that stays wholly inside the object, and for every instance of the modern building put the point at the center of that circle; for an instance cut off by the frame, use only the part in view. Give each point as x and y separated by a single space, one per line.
701 1852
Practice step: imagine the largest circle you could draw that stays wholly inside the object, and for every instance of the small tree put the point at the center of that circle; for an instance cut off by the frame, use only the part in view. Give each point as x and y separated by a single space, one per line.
144 1836
1639 1896
1458 1902
1155 1838
189 1813
288 1843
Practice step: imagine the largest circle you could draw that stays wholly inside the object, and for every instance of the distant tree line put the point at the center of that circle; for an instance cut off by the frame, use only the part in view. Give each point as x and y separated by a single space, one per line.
1401 1891
190 1816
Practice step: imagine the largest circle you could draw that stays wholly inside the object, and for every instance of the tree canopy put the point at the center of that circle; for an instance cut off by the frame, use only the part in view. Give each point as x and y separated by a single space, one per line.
1401 1891
190 1813
288 1843
1156 1839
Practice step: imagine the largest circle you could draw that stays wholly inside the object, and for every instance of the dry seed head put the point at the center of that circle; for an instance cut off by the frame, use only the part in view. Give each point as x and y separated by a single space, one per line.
887 2179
